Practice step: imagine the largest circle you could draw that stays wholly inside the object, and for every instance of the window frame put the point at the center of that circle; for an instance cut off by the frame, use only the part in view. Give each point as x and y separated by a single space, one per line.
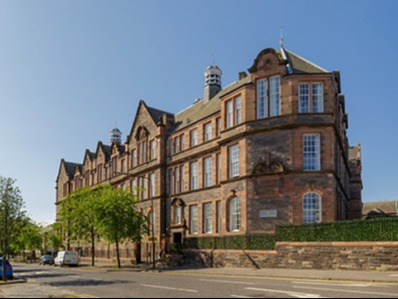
312 211
312 151
235 214
233 161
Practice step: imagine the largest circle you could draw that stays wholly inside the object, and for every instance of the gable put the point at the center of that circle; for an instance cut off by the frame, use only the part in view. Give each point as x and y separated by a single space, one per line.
144 122
269 61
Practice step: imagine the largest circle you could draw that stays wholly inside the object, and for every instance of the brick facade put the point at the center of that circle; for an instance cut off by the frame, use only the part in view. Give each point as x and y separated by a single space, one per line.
221 149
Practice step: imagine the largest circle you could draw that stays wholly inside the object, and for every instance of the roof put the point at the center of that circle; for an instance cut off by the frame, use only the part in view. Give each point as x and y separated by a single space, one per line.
301 65
70 168
389 207
202 108
156 113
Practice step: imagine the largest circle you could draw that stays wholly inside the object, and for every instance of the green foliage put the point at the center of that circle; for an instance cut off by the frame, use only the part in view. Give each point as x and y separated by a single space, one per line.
377 230
381 229
29 236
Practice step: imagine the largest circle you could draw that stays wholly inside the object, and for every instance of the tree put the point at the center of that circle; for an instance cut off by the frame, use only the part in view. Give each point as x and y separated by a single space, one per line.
78 212
29 237
120 218
11 214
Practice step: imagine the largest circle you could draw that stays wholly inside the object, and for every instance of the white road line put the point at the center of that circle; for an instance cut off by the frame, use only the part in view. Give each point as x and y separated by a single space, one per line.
168 288
227 281
394 275
240 296
290 293
343 284
348 291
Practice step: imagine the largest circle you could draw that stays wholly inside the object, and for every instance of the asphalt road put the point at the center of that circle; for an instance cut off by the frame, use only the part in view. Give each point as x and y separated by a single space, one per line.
55 282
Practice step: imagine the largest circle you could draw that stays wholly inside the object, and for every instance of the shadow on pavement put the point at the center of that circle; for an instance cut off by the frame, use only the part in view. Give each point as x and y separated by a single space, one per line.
86 283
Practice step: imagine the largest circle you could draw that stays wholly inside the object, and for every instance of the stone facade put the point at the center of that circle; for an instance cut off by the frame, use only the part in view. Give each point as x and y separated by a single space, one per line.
235 162
373 256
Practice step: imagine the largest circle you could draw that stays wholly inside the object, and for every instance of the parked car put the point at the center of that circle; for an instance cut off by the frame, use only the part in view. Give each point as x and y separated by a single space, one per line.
46 260
9 271
67 258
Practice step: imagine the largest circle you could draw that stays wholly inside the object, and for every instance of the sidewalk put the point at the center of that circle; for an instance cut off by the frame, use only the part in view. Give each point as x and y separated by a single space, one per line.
340 275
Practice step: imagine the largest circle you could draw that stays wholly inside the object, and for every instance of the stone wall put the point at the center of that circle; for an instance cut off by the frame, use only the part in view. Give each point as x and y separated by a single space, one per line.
380 256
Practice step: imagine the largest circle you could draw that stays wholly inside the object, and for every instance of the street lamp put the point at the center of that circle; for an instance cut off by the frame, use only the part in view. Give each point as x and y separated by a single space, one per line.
152 215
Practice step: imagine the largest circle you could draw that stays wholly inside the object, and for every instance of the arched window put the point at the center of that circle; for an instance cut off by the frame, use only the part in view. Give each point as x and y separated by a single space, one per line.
312 208
234 215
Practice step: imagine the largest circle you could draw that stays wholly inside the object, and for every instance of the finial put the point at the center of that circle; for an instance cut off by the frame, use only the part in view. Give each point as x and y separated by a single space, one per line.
282 41
213 59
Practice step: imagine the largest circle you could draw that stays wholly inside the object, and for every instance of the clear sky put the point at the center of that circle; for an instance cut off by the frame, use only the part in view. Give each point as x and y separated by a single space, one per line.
70 69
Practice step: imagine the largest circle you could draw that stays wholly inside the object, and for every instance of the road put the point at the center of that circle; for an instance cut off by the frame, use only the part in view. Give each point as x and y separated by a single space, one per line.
79 282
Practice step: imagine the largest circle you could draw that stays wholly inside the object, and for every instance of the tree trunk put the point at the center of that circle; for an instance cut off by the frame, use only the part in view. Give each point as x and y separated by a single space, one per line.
92 247
118 255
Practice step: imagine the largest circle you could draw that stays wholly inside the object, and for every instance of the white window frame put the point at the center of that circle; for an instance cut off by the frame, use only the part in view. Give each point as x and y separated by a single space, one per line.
262 98
235 215
208 218
233 159
208 172
312 152
230 114
208 132
312 208
317 97
275 96
238 110
194 172
193 219
194 137
304 97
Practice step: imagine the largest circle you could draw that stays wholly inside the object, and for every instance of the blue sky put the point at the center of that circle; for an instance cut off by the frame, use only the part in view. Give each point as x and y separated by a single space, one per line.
70 69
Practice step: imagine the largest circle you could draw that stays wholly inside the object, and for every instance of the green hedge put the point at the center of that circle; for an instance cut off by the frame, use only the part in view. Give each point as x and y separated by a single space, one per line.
379 230
382 229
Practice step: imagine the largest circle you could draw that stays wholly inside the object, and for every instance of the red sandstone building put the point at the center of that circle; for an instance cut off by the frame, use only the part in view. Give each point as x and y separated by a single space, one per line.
268 149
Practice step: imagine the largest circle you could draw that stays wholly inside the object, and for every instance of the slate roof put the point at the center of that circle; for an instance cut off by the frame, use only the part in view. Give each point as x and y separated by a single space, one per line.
301 65
156 113
388 207
70 168
203 108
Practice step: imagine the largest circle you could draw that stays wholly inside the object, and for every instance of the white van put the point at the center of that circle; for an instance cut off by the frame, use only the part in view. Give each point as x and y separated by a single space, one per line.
67 258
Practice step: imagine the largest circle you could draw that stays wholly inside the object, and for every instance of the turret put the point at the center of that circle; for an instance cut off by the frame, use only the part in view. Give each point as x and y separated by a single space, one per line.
212 81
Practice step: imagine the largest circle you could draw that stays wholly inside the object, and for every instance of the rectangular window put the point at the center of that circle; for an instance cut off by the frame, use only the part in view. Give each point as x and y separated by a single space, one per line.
262 98
182 142
133 187
218 126
152 184
312 152
177 179
123 166
142 188
234 161
208 171
194 138
178 215
152 146
100 178
208 218
314 92
134 158
304 98
194 176
208 132
114 165
142 152
238 110
171 181
230 114
275 101
194 219
317 97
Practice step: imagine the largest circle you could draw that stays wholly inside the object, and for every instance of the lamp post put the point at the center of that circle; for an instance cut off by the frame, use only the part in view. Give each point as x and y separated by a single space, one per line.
152 215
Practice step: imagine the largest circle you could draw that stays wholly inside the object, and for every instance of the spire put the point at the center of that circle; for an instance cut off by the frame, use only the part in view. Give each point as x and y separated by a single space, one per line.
282 40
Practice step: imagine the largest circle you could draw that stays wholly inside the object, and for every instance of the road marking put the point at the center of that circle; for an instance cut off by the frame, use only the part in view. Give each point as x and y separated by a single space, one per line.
168 288
333 284
394 275
290 293
227 281
348 291
240 296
